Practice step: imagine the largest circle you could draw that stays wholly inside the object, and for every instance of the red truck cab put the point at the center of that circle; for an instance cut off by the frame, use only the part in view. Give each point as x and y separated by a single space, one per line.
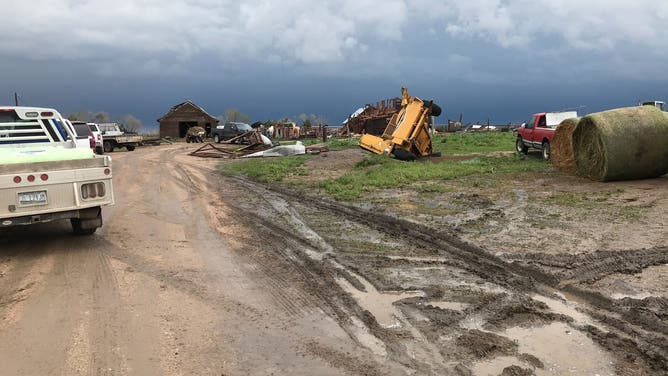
538 131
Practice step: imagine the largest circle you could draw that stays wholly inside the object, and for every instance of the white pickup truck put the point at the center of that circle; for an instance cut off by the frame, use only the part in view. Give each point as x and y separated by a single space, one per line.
44 176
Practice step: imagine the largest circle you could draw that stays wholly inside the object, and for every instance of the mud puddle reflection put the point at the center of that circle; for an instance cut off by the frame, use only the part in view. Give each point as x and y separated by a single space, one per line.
562 350
380 304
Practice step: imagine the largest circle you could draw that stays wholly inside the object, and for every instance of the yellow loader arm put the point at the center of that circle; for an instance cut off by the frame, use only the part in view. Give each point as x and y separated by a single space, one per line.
407 134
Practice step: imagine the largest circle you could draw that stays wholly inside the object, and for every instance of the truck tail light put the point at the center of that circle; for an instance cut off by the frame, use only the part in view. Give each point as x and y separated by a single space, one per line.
107 171
44 177
31 178
99 137
91 140
17 179
93 190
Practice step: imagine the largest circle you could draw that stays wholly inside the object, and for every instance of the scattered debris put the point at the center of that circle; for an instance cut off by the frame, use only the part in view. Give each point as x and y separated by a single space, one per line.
371 119
254 141
407 134
280 151
317 149
210 150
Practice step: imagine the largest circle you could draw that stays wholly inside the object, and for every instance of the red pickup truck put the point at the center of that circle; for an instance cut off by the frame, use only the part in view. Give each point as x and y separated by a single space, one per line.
538 131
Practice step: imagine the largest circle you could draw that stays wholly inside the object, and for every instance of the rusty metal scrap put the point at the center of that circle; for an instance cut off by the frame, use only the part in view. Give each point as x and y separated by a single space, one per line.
317 149
210 150
374 119
253 138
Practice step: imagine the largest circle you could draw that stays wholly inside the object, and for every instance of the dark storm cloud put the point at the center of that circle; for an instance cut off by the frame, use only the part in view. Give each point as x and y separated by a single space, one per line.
485 58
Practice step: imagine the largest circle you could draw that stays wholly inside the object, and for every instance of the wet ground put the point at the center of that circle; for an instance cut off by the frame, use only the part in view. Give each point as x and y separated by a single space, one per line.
196 272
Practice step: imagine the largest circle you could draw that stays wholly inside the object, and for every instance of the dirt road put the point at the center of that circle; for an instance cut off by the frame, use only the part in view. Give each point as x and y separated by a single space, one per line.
198 273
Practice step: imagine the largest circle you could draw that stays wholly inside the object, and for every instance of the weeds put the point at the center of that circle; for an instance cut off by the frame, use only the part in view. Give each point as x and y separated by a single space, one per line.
268 170
466 143
396 173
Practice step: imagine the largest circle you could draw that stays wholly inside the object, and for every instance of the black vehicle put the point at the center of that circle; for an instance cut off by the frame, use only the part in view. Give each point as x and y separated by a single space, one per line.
229 130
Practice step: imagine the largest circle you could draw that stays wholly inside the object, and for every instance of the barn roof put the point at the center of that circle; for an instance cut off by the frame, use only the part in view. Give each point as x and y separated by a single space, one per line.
180 105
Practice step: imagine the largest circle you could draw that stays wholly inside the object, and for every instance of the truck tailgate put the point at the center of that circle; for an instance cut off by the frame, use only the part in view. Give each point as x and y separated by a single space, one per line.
55 186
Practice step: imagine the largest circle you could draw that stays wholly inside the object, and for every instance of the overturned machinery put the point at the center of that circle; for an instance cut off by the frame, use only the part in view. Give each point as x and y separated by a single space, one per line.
407 135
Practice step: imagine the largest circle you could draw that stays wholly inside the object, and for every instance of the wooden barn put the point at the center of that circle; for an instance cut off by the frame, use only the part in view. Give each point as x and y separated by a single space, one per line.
176 122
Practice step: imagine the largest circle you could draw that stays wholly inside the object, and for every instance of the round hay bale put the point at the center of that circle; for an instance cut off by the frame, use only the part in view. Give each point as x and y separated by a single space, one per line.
622 144
562 146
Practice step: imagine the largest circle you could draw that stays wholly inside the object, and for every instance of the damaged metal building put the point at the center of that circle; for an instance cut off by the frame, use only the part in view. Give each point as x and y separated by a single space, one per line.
371 119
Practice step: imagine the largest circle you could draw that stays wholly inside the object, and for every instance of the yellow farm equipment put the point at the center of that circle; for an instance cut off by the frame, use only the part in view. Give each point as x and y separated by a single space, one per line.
407 135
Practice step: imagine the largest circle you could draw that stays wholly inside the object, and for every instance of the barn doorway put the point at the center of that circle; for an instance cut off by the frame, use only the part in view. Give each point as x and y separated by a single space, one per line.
183 127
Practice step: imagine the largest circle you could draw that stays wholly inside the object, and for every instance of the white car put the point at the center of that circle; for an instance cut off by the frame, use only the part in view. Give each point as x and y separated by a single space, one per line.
83 135
97 135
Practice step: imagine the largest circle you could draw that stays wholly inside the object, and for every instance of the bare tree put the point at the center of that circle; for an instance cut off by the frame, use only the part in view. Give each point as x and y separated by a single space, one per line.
131 124
79 116
101 117
233 114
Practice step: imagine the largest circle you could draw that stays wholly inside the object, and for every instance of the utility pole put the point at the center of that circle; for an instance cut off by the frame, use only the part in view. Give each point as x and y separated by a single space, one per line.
16 99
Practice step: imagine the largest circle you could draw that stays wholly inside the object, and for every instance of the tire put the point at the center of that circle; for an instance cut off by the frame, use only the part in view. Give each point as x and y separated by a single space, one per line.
520 147
130 147
99 150
546 150
187 140
108 146
403 155
436 110
216 139
78 230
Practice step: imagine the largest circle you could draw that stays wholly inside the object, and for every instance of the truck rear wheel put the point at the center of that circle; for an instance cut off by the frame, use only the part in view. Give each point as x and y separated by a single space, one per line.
108 146
216 139
79 230
130 147
88 222
520 147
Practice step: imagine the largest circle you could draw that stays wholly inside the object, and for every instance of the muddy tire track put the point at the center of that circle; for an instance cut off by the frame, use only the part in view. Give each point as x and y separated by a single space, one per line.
631 325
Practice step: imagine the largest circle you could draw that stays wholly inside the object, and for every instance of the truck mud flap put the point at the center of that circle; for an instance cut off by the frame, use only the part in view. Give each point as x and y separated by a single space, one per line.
90 218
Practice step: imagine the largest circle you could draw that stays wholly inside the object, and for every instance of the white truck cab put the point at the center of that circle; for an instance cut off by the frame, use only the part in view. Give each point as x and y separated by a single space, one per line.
658 104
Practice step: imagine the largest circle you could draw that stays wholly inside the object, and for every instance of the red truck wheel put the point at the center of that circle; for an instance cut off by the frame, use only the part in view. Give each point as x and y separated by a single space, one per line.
521 148
546 150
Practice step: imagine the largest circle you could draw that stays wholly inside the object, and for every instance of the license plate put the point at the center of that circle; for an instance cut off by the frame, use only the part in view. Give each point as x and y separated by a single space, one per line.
32 198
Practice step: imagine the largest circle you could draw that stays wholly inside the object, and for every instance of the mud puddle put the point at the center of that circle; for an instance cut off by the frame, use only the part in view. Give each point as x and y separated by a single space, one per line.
380 304
652 281
561 350
453 306
568 308
418 259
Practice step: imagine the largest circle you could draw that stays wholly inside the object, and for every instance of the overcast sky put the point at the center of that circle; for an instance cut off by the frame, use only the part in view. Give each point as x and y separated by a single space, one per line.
497 59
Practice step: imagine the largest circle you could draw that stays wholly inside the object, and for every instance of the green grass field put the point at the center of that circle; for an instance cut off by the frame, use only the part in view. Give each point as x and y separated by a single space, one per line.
465 143
381 172
267 170
378 172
